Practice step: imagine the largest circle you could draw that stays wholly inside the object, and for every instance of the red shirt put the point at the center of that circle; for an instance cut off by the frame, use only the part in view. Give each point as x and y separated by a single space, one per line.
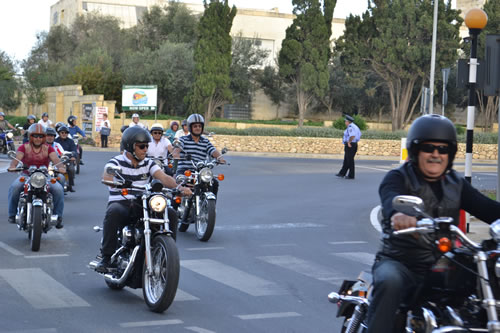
38 159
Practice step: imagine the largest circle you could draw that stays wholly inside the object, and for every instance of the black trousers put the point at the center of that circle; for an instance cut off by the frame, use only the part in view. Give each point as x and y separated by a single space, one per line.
71 173
104 141
120 214
348 166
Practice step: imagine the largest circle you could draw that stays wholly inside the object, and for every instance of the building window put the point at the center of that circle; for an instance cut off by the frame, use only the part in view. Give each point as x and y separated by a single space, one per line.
55 18
84 6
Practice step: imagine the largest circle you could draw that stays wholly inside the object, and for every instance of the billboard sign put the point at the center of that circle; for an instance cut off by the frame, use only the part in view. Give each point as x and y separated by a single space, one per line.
139 98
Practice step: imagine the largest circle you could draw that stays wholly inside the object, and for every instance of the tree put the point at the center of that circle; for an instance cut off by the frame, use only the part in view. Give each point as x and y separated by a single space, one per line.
304 54
247 58
212 57
10 96
393 40
272 83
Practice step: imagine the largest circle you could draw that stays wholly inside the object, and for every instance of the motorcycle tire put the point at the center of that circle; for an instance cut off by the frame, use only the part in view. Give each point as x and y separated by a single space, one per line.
183 227
77 170
205 223
12 146
36 229
159 287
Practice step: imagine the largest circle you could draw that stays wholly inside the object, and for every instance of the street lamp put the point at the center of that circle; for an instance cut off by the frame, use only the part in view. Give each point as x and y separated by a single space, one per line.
475 20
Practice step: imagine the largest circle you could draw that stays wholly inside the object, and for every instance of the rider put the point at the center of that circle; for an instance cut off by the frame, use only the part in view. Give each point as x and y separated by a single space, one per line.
135 121
74 129
50 137
37 153
30 120
4 125
160 146
197 146
136 170
183 131
45 121
68 145
170 133
403 261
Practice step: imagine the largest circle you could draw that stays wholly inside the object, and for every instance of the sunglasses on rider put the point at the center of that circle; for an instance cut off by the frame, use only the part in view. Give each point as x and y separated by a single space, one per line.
38 136
62 132
142 146
157 132
429 148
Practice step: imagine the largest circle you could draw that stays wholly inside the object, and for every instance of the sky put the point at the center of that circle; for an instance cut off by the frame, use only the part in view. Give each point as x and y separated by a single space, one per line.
21 20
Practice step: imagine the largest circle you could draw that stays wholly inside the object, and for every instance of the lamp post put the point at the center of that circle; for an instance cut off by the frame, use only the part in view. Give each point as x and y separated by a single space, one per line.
475 20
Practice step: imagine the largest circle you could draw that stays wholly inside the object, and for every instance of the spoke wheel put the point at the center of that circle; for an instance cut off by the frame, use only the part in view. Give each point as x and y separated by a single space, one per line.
160 285
205 223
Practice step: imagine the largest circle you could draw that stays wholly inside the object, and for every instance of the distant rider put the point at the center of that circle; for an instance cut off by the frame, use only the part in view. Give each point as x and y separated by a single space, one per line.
51 136
45 121
74 129
170 134
36 152
30 120
136 122
68 145
136 170
183 131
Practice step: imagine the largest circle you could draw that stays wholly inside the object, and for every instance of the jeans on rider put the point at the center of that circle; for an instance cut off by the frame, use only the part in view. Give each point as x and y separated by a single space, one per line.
17 186
118 215
393 284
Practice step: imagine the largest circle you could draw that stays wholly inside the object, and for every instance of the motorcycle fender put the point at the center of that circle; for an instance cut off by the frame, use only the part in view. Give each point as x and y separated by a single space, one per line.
164 232
37 203
209 195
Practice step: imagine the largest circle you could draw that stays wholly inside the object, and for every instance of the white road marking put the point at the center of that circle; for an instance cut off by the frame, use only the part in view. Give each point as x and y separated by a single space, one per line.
38 330
151 323
204 248
180 295
374 218
279 245
361 257
40 289
269 315
198 329
306 268
46 256
10 249
232 277
347 242
269 226
376 169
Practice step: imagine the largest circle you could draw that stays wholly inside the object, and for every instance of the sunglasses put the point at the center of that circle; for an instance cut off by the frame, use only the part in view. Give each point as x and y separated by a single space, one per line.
38 136
63 132
429 148
142 146
196 126
157 133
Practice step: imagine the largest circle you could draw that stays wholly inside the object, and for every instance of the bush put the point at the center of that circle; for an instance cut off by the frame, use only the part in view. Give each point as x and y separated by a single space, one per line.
358 120
460 129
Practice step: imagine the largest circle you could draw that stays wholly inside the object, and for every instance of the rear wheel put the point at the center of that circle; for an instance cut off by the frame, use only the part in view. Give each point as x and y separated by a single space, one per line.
205 223
160 285
36 228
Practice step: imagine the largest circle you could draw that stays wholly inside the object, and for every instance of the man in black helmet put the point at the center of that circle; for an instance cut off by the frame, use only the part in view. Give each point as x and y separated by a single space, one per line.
68 145
136 170
404 260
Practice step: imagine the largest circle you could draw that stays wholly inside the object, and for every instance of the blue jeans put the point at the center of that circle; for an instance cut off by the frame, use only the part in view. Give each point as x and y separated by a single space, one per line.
17 186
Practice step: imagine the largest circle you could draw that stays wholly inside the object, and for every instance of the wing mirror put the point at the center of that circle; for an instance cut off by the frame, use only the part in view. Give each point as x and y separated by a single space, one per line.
113 170
409 205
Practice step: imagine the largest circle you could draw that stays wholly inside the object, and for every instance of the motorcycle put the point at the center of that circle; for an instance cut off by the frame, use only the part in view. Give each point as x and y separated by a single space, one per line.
200 207
7 141
147 255
460 294
34 212
165 164
60 176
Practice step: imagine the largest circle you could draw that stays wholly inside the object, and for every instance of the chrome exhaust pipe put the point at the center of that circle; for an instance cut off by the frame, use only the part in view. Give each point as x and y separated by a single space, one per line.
125 274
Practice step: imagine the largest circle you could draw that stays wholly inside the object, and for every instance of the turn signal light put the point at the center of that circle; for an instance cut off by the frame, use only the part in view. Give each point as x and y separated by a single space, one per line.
22 179
124 191
170 166
220 177
53 180
444 244
187 173
178 200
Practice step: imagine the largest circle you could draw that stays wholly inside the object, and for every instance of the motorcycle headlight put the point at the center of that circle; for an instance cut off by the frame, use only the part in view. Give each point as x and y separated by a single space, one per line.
206 175
10 135
158 203
38 180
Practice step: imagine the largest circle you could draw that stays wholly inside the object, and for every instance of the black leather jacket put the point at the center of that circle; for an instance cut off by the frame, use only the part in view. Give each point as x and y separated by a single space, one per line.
68 145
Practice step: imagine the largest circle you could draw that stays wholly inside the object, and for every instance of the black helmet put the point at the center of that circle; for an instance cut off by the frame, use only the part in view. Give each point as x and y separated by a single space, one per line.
133 135
432 127
45 114
59 124
71 119
196 118
31 117
184 122
123 128
50 131
62 128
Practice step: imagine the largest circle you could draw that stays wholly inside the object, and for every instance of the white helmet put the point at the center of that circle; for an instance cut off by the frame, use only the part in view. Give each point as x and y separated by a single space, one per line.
135 115
157 127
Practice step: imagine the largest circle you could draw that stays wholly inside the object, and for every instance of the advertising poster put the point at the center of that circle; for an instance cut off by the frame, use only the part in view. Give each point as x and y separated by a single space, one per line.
87 118
99 111
139 98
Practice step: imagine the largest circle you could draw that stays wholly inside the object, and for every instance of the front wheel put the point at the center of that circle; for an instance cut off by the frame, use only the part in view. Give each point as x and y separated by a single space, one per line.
205 223
12 146
36 228
160 285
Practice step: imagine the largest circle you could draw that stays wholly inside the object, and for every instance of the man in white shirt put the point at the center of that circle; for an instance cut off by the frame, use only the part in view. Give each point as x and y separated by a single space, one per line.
45 121
160 146
183 131
135 121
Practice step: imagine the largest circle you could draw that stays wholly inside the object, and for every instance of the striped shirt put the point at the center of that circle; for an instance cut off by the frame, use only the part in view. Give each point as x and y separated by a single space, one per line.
138 176
199 151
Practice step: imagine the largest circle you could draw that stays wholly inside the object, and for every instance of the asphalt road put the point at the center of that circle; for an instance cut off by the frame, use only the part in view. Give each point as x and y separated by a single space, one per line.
288 232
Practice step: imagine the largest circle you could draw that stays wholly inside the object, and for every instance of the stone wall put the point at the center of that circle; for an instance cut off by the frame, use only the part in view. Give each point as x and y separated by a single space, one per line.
281 144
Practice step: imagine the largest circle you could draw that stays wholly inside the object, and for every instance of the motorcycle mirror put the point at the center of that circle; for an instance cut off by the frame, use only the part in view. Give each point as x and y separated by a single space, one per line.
224 150
11 154
113 170
495 230
408 204
188 157
176 144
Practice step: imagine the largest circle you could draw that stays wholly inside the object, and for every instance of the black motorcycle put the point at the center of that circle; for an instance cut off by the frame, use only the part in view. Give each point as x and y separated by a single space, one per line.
200 207
34 210
147 255
166 164
460 294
